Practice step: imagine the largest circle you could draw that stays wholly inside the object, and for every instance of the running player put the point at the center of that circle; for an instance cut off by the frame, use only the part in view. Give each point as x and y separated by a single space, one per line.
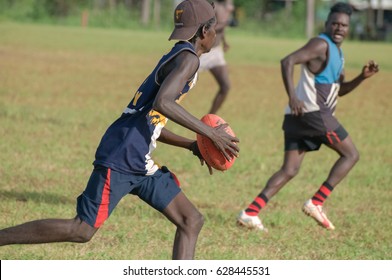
214 61
309 118
123 163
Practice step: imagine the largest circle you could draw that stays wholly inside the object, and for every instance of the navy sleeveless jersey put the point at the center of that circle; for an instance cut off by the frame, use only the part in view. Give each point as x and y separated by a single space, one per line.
128 143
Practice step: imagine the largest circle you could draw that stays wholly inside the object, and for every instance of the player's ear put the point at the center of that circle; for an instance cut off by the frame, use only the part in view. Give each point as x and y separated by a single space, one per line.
203 32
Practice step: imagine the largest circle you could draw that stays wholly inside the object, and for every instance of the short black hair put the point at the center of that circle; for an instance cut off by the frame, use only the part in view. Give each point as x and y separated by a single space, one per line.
207 25
341 7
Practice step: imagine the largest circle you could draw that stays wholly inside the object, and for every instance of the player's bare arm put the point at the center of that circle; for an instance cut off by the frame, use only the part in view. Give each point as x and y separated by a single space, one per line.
314 55
222 18
173 139
226 46
368 71
186 65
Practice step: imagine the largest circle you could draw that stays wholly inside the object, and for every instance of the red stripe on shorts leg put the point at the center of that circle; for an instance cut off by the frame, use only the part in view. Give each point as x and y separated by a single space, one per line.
176 179
336 137
329 137
103 210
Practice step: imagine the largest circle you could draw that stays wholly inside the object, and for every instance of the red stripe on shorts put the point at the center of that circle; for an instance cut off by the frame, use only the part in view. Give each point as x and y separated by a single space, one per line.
176 179
329 137
103 210
336 137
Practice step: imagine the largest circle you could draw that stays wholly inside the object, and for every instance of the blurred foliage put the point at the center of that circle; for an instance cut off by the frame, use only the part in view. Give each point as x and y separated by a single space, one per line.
276 18
272 17
260 16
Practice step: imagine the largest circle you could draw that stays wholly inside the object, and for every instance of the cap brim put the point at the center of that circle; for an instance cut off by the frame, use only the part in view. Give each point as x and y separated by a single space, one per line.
183 33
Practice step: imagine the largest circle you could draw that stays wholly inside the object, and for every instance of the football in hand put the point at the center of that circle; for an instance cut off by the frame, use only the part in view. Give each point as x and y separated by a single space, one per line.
211 154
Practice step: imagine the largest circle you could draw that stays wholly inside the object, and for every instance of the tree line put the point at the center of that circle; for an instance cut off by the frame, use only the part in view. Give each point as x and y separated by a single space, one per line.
278 17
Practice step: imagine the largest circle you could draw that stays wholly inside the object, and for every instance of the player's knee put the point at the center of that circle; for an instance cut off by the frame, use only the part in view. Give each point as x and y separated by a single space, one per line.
84 237
290 172
197 221
225 88
354 157
81 232
193 223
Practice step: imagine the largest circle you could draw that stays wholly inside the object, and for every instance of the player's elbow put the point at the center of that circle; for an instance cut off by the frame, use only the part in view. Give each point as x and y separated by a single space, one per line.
160 105
342 91
285 62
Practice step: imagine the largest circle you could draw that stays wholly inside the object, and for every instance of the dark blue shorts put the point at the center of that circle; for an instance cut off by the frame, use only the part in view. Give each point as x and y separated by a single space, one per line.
313 143
107 187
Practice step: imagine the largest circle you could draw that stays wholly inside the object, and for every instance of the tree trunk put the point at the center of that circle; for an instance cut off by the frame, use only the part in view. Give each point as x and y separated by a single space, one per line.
145 12
157 12
288 8
112 5
309 18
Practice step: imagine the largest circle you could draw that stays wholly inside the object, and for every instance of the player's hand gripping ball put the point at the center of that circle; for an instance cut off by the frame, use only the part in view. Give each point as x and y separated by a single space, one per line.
211 154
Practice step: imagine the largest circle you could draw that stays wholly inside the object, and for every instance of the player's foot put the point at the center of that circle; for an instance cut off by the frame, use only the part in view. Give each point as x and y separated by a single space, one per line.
316 212
251 222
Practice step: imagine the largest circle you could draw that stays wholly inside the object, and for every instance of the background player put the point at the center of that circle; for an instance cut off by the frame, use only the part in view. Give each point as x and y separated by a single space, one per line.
214 61
309 118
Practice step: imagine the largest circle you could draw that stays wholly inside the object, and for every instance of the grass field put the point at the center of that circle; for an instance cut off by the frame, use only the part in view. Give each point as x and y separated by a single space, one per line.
61 87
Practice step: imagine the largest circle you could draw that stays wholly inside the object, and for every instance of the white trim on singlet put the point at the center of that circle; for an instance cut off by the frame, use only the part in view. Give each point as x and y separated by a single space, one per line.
306 91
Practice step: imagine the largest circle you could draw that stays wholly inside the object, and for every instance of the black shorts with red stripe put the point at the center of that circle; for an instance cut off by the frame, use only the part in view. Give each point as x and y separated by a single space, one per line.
313 143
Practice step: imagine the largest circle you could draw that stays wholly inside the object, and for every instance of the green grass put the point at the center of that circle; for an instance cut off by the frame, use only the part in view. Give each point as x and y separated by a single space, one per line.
60 87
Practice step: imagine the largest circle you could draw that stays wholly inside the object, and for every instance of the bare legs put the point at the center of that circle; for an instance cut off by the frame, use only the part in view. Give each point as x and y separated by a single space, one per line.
349 156
290 168
47 231
293 159
189 222
180 212
221 75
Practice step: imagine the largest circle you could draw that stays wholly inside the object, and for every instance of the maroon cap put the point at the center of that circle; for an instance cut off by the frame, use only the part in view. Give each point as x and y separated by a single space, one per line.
188 16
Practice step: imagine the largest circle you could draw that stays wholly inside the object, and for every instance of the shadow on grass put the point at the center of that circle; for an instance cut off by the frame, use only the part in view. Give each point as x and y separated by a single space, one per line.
41 197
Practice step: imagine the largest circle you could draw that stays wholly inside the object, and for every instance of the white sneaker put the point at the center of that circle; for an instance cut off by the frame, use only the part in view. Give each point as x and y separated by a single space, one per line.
250 222
316 212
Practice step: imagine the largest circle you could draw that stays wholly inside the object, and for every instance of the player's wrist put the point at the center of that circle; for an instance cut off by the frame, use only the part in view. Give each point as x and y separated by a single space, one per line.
192 146
362 76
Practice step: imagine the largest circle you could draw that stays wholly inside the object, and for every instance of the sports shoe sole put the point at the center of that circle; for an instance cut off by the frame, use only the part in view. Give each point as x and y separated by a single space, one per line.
246 225
307 212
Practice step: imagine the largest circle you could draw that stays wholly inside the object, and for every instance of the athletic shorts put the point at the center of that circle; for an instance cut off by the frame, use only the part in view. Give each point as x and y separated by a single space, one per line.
214 58
106 187
313 143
